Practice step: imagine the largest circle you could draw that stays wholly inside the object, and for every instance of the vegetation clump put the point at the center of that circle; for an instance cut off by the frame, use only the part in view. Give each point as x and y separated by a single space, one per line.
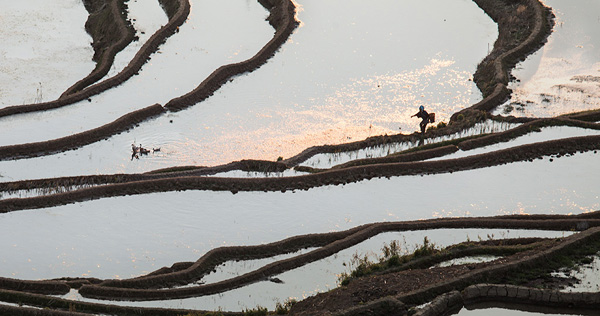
392 257
283 309
541 275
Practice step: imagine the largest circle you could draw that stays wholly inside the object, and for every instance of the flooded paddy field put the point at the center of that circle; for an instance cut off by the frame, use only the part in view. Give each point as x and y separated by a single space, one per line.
45 50
511 312
147 17
162 78
562 77
323 275
282 159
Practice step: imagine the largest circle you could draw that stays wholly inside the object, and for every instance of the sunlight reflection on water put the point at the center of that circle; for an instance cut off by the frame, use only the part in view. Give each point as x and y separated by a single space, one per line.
564 76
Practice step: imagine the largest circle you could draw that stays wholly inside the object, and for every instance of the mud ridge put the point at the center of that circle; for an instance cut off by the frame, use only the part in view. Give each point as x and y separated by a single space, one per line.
282 17
530 296
479 275
137 289
524 129
465 123
183 273
111 31
492 73
285 12
134 66
499 295
78 140
527 152
338 241
524 263
78 182
52 305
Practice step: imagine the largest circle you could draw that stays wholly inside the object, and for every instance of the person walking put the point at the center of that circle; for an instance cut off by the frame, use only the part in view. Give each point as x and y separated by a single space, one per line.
422 114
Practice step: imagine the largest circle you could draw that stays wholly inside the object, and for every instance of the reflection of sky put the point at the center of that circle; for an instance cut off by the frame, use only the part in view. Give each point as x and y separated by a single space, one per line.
45 49
205 42
343 76
547 87
340 78
147 17
132 234
322 275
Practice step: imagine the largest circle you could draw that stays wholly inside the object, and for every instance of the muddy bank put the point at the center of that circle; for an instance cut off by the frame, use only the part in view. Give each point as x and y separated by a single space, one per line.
464 123
175 182
111 32
331 242
78 140
523 27
52 305
282 18
481 296
151 46
152 286
415 287
75 182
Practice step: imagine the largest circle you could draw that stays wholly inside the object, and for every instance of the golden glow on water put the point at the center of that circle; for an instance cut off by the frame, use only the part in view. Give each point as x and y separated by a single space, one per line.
363 107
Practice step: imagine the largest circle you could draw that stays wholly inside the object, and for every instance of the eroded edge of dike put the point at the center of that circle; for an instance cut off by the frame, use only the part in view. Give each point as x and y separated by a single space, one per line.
133 185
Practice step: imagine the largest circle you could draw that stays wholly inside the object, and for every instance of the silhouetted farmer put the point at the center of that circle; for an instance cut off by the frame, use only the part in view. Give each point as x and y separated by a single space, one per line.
425 118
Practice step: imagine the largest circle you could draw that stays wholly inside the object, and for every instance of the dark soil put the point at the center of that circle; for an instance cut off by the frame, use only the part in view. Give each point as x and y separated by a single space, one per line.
374 287
406 283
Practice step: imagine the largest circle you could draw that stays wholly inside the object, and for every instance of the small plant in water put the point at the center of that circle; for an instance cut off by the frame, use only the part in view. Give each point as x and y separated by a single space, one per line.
392 257
258 311
283 309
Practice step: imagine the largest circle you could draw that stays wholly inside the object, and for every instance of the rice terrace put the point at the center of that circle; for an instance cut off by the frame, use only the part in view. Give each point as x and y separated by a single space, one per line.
262 157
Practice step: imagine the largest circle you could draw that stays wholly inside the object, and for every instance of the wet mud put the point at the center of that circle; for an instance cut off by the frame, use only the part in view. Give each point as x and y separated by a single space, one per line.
111 32
432 284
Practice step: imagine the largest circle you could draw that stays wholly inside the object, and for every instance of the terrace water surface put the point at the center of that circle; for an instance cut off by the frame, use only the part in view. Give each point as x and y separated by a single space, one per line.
350 71
321 275
147 17
45 49
205 42
564 75
340 77
127 230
